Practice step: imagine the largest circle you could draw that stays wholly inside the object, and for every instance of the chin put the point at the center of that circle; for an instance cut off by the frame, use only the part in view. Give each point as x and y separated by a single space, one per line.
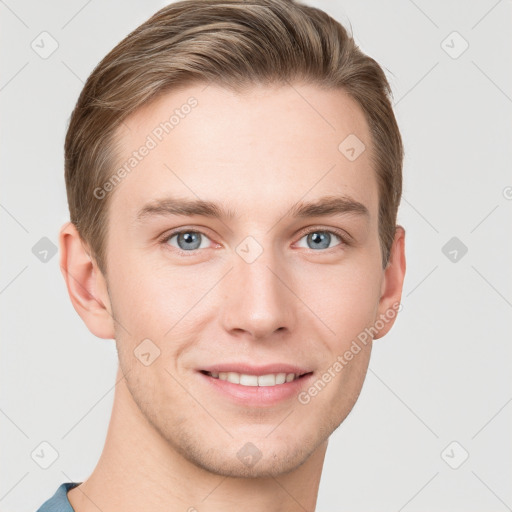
247 457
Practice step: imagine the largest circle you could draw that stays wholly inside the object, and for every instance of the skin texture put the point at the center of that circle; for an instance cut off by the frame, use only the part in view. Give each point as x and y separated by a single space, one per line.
172 441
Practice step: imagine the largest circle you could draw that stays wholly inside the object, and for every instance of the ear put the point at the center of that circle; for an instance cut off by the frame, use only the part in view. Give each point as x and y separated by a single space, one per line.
392 284
86 284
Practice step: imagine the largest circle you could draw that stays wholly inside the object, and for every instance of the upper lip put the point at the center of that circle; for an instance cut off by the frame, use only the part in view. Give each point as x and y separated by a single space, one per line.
248 369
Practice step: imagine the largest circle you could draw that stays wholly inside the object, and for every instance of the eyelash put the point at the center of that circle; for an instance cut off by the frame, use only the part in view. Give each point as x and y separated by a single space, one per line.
339 233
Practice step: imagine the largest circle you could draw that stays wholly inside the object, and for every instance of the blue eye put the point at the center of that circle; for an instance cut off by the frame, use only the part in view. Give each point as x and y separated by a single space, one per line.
187 240
321 239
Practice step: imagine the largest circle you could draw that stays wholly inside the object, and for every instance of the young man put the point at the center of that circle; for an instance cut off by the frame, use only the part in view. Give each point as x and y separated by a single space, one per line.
233 171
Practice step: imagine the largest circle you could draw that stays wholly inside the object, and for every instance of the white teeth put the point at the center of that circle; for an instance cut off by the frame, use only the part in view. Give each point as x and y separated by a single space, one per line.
271 379
248 380
233 377
280 378
267 380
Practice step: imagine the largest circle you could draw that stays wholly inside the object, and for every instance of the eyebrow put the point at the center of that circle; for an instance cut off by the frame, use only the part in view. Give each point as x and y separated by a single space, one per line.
322 207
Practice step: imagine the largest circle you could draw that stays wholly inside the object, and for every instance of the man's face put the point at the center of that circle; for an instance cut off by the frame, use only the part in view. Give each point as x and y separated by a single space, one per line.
262 292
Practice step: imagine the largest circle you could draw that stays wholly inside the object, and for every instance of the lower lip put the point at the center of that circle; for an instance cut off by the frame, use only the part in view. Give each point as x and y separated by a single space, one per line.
257 396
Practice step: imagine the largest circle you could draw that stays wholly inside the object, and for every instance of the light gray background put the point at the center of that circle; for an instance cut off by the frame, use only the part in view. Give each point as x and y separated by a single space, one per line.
443 372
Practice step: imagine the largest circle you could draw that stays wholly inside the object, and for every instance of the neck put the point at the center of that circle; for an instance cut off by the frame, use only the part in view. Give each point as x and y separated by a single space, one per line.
139 470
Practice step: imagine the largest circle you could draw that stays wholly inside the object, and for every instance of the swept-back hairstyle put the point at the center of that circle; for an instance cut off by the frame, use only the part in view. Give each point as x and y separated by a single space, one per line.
233 43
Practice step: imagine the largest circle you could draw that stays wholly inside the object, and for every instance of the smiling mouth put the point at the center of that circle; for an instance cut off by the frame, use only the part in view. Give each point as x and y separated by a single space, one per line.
268 380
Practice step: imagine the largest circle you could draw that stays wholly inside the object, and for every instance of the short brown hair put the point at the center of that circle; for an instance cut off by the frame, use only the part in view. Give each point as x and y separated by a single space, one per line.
233 43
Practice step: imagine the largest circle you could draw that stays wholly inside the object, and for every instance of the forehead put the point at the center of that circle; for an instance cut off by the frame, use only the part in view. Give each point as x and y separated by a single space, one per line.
257 152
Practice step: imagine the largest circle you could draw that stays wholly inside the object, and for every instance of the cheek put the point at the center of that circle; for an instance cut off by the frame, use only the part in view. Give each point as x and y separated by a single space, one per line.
349 307
344 297
156 299
358 302
166 304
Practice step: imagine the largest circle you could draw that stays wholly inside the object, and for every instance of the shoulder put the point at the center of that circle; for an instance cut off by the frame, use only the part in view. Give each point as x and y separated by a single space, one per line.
59 501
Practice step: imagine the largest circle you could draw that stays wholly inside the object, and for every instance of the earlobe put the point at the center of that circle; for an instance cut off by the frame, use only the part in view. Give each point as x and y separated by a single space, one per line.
392 284
85 283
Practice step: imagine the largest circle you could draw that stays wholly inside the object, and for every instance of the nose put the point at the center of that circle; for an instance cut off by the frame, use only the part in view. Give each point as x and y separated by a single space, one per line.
259 300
